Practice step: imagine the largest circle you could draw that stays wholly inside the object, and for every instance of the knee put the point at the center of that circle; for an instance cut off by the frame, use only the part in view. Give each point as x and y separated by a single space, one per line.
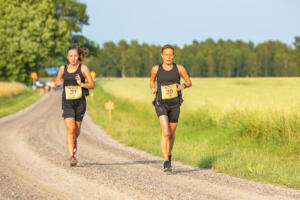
166 133
71 129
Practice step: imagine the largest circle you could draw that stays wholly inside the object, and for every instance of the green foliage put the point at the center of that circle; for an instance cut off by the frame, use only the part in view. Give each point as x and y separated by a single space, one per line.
201 59
73 13
29 35
35 34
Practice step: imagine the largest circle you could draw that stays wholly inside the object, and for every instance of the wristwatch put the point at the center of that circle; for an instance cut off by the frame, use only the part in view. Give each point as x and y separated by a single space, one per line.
185 86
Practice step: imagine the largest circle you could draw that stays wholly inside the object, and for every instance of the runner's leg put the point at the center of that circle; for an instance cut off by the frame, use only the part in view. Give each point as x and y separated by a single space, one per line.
70 136
172 126
77 132
77 127
165 137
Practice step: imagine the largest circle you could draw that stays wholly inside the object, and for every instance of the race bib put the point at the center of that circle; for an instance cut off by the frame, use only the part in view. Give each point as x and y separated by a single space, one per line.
169 91
73 92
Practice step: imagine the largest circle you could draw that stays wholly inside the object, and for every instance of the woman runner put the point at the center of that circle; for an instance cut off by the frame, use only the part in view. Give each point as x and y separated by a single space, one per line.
73 77
168 99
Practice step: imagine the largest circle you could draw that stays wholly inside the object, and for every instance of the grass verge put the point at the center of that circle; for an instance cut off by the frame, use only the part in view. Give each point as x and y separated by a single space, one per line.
9 106
234 144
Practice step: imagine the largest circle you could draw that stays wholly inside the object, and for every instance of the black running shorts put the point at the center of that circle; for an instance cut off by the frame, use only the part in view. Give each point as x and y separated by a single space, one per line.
172 112
74 109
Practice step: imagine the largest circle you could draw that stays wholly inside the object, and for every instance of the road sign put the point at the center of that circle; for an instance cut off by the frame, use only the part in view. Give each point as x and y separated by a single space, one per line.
33 75
109 105
93 74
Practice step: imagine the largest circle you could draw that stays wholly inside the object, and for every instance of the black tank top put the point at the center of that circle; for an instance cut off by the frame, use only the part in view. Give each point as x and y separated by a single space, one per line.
69 80
167 78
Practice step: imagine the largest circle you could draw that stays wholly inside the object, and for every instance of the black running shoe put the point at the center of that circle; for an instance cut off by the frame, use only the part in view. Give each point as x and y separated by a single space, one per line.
167 167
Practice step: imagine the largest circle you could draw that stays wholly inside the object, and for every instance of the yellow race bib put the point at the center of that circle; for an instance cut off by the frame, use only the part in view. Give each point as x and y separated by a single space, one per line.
169 91
73 92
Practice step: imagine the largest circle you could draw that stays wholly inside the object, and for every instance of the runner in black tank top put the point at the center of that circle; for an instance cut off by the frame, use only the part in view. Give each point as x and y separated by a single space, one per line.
165 78
73 77
168 99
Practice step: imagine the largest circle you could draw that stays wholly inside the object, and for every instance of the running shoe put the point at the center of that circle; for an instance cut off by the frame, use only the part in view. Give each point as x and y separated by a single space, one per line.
73 161
75 147
167 167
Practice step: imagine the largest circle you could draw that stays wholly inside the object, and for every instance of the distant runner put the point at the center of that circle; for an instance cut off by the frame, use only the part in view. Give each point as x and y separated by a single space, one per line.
168 99
73 77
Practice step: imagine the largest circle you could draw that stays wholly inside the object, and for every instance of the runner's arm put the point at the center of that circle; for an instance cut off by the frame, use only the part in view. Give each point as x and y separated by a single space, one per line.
87 75
185 76
152 79
59 77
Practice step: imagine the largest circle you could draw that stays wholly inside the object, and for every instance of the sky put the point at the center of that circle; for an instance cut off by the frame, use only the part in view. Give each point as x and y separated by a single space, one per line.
179 22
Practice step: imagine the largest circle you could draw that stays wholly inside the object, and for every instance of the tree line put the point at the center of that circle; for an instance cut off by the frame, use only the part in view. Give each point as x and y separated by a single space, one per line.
208 58
36 33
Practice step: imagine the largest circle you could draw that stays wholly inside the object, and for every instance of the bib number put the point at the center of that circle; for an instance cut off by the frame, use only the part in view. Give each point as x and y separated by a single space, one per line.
73 92
169 91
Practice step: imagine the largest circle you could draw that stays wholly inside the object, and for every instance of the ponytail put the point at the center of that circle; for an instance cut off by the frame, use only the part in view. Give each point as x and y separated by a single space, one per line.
81 51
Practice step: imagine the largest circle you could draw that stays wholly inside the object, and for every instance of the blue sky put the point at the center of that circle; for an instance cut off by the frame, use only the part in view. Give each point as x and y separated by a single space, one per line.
182 21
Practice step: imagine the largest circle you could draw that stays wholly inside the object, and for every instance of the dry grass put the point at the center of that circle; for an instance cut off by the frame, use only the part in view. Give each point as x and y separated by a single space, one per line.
225 94
245 127
11 89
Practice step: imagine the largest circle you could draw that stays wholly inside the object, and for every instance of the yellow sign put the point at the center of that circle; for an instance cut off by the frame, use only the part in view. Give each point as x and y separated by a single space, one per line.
33 75
93 74
169 91
109 105
73 92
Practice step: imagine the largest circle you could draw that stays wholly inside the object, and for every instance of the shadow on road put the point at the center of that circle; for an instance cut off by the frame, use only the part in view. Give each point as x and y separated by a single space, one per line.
208 161
140 162
121 163
186 171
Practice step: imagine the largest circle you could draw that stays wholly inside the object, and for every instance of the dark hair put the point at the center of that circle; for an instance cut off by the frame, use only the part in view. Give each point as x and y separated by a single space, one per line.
81 51
167 46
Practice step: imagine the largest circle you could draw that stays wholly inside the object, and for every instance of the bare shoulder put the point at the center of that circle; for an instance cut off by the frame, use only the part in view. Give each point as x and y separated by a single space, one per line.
62 68
155 68
180 68
84 67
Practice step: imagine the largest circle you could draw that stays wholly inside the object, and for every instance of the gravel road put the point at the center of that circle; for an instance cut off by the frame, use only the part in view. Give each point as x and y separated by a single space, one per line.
33 165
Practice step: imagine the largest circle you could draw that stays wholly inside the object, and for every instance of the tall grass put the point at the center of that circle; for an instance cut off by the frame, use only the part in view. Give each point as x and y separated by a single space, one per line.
11 89
244 127
13 103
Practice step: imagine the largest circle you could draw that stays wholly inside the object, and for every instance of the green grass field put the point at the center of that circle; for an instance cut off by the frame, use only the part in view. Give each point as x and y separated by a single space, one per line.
249 128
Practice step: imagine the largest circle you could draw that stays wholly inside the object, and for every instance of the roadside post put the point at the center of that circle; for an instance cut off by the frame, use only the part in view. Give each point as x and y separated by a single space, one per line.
109 105
34 77
93 74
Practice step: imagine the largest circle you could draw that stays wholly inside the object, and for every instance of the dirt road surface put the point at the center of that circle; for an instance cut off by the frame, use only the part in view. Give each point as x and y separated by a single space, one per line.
34 165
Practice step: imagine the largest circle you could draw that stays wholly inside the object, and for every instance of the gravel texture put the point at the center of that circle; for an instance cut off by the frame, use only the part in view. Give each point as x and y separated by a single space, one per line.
34 165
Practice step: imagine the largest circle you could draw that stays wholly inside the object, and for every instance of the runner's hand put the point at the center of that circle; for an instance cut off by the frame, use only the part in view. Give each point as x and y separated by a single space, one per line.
78 79
58 82
153 90
180 87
